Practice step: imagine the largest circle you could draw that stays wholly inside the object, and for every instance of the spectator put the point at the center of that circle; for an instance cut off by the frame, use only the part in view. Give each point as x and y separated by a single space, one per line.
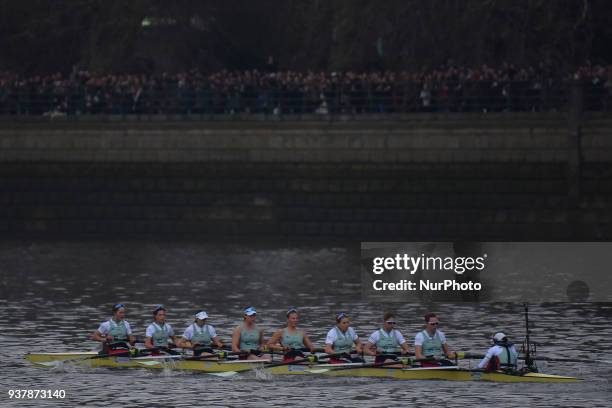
452 88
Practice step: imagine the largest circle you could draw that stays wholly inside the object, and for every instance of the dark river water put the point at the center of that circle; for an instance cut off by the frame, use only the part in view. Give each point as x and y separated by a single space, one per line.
53 295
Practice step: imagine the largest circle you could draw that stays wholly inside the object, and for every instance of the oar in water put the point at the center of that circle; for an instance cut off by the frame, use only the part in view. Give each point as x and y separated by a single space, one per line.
279 364
79 359
218 355
304 360
474 356
142 353
213 357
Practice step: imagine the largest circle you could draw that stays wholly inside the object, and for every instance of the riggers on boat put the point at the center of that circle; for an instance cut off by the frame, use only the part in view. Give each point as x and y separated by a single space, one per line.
336 370
178 362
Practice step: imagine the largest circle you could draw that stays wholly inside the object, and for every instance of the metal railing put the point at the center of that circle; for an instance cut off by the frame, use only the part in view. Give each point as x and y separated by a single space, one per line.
393 98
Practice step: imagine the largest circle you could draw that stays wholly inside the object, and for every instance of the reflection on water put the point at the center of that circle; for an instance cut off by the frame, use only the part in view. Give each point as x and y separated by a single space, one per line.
53 295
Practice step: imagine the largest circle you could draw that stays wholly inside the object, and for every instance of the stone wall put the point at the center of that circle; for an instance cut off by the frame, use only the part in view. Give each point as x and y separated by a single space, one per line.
415 177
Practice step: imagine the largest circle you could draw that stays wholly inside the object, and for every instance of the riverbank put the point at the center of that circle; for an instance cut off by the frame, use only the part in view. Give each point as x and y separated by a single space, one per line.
421 176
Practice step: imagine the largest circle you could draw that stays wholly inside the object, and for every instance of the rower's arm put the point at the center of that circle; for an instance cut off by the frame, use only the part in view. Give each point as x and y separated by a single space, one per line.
483 363
261 340
236 340
418 352
370 349
132 340
217 342
358 346
274 342
97 336
184 343
308 343
447 352
405 347
149 343
329 348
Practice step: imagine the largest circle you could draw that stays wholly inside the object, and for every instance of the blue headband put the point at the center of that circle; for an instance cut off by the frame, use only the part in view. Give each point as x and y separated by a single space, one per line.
118 306
158 308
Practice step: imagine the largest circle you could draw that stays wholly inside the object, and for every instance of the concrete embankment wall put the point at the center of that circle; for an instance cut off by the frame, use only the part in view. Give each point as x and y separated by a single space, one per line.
412 177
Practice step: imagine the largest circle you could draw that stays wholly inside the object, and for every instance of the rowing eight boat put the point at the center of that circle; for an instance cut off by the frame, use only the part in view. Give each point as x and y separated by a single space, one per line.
336 370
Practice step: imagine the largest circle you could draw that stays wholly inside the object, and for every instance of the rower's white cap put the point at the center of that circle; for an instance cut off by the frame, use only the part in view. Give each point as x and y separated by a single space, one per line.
250 311
499 336
201 315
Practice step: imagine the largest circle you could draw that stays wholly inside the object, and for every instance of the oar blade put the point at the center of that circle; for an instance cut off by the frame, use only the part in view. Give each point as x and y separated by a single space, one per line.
47 363
149 363
318 370
223 373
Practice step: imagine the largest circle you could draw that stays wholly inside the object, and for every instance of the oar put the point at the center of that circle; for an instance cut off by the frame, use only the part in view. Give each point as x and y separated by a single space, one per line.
302 360
141 339
368 365
78 359
140 353
473 356
283 363
204 358
168 350
215 355
227 373
306 350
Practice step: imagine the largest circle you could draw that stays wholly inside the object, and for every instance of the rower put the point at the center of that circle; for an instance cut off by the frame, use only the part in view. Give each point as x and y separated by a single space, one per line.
159 332
291 340
340 339
387 342
247 338
502 356
199 336
431 343
115 333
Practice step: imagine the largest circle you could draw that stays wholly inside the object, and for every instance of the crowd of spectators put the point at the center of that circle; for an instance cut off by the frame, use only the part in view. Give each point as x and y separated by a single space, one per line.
447 89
